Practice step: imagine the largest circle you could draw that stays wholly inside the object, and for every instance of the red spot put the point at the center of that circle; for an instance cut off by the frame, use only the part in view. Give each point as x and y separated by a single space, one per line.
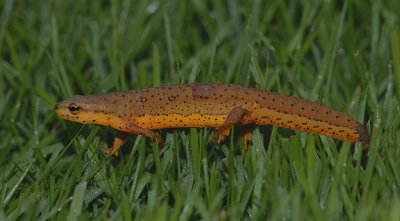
143 99
171 98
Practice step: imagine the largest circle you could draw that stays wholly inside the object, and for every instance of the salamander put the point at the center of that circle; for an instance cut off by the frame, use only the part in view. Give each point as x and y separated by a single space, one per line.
212 105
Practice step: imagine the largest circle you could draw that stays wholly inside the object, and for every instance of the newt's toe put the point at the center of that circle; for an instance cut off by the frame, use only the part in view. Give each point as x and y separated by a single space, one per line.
109 151
221 132
246 138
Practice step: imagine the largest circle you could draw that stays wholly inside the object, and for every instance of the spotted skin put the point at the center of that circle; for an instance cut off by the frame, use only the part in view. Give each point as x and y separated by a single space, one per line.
207 105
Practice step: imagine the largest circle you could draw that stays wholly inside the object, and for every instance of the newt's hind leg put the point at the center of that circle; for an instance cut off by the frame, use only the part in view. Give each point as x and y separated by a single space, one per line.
247 134
236 116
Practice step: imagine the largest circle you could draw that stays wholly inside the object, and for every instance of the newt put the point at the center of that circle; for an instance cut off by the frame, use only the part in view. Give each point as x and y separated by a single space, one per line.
211 105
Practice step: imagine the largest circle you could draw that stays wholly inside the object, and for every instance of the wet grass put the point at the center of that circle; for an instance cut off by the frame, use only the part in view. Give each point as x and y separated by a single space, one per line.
345 55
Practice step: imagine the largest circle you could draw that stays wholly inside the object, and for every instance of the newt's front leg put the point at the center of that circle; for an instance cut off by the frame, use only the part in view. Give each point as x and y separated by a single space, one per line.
135 130
118 141
235 117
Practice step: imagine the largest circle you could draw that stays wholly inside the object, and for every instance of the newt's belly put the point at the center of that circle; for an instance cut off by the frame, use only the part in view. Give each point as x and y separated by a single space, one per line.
178 120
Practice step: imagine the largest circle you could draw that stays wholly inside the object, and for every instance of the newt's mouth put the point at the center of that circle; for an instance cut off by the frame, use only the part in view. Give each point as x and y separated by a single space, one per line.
61 111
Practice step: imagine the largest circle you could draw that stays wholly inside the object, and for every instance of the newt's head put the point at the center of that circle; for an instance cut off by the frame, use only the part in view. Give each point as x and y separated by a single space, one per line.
74 109
91 109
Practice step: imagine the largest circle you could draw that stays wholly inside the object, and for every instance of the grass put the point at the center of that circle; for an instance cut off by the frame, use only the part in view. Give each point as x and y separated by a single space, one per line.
345 55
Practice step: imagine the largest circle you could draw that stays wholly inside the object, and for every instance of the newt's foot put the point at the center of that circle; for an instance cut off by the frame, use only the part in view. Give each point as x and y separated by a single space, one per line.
247 134
221 132
246 138
159 140
109 151
116 145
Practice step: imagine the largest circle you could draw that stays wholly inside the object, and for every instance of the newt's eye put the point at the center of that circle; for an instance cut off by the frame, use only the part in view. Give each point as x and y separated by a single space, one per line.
74 109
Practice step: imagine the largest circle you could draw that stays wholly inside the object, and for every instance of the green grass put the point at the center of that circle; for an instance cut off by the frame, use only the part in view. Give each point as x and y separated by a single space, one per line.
346 55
